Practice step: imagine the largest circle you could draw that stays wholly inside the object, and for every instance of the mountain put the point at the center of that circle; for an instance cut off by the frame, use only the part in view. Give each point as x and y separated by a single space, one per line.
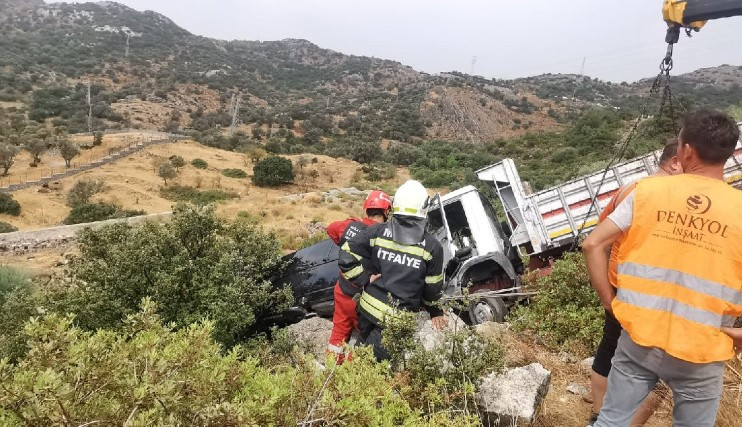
146 71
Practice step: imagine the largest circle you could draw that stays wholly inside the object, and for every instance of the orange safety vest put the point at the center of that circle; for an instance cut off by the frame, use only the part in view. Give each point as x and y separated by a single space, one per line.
616 200
680 267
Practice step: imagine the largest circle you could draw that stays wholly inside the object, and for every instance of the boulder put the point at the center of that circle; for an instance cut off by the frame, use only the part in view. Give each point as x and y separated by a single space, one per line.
513 397
315 332
587 364
429 336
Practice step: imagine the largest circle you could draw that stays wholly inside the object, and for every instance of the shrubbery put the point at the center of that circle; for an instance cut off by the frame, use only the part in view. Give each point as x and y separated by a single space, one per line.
273 171
16 306
199 164
194 267
566 313
7 228
234 173
8 205
93 212
150 374
184 193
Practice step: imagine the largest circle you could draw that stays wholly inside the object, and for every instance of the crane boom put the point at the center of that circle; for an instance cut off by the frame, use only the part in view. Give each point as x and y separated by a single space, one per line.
693 14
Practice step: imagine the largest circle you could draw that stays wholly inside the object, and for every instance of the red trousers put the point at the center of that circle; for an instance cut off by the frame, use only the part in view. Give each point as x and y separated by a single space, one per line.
344 321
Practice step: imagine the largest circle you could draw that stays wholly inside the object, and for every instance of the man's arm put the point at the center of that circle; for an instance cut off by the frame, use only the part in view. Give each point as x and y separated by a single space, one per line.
336 230
350 259
597 248
736 335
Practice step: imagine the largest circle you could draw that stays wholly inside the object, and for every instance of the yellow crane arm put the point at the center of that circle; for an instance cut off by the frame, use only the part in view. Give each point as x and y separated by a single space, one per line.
693 14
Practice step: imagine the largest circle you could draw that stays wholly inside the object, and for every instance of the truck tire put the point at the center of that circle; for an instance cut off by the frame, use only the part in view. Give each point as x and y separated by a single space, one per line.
487 309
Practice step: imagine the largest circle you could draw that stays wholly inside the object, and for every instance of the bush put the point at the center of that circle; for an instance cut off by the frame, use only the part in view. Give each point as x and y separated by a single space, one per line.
234 173
7 228
184 193
196 266
90 212
567 312
16 306
150 374
8 205
199 164
273 171
83 190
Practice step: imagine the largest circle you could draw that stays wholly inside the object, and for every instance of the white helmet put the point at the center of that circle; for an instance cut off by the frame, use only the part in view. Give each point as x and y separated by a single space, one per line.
411 199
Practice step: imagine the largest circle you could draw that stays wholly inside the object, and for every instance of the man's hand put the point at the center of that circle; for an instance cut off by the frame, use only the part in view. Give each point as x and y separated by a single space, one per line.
736 335
439 322
374 277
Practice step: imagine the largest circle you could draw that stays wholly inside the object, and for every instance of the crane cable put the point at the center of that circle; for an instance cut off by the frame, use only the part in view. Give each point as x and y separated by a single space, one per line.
667 95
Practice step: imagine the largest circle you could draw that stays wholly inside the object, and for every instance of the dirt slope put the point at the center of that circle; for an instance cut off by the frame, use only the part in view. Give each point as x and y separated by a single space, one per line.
133 184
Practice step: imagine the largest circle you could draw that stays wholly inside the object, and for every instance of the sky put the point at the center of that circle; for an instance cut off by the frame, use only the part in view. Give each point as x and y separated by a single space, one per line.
619 41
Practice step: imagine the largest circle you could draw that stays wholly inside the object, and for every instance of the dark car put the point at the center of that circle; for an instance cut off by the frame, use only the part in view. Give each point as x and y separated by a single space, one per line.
311 273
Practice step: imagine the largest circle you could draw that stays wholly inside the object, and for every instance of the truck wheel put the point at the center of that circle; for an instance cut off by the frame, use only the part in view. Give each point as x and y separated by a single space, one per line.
487 309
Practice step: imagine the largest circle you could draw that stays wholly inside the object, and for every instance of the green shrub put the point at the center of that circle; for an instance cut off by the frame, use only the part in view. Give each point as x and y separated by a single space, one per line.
376 172
90 212
566 313
8 205
196 266
16 306
184 193
150 374
273 171
177 162
7 228
234 173
199 164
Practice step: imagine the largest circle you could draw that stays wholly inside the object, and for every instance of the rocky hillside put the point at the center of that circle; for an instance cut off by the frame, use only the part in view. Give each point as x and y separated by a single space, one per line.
146 71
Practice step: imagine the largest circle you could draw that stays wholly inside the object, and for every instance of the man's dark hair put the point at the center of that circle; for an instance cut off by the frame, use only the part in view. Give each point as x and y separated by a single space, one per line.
711 133
375 212
670 151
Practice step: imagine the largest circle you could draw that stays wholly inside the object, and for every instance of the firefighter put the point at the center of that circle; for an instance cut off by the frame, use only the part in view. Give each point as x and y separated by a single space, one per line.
377 208
398 265
679 279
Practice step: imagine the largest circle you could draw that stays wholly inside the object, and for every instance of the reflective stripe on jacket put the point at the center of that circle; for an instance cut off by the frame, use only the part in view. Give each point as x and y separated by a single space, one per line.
411 275
680 267
342 231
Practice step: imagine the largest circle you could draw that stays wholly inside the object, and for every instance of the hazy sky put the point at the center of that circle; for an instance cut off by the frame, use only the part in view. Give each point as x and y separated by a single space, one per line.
622 40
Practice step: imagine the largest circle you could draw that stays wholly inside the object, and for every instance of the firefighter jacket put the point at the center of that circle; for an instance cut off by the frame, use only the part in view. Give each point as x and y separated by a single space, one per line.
411 275
680 267
342 231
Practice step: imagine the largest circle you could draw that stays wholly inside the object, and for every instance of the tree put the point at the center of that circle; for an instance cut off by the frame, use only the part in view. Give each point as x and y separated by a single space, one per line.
195 267
97 138
166 171
37 148
256 154
8 205
68 150
177 162
83 190
273 171
7 157
303 161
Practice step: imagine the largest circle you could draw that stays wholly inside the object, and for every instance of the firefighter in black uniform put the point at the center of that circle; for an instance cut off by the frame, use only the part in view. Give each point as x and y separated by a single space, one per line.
406 266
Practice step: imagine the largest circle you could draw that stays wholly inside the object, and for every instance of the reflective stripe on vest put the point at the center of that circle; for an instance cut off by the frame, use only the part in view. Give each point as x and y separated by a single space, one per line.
376 308
680 267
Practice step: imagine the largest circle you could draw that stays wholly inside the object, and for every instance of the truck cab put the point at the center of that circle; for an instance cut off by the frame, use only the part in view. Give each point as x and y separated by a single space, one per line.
478 255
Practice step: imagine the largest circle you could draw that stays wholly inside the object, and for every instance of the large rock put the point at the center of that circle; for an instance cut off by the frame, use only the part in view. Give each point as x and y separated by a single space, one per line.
429 336
514 397
315 332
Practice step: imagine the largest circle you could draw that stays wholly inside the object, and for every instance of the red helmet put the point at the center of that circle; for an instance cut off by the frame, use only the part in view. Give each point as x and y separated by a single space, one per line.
377 200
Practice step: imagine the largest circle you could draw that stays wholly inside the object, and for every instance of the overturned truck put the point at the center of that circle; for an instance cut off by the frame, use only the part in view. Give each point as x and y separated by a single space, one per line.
479 260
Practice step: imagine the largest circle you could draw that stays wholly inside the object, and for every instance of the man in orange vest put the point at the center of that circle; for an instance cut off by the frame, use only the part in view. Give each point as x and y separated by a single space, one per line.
679 279
668 165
